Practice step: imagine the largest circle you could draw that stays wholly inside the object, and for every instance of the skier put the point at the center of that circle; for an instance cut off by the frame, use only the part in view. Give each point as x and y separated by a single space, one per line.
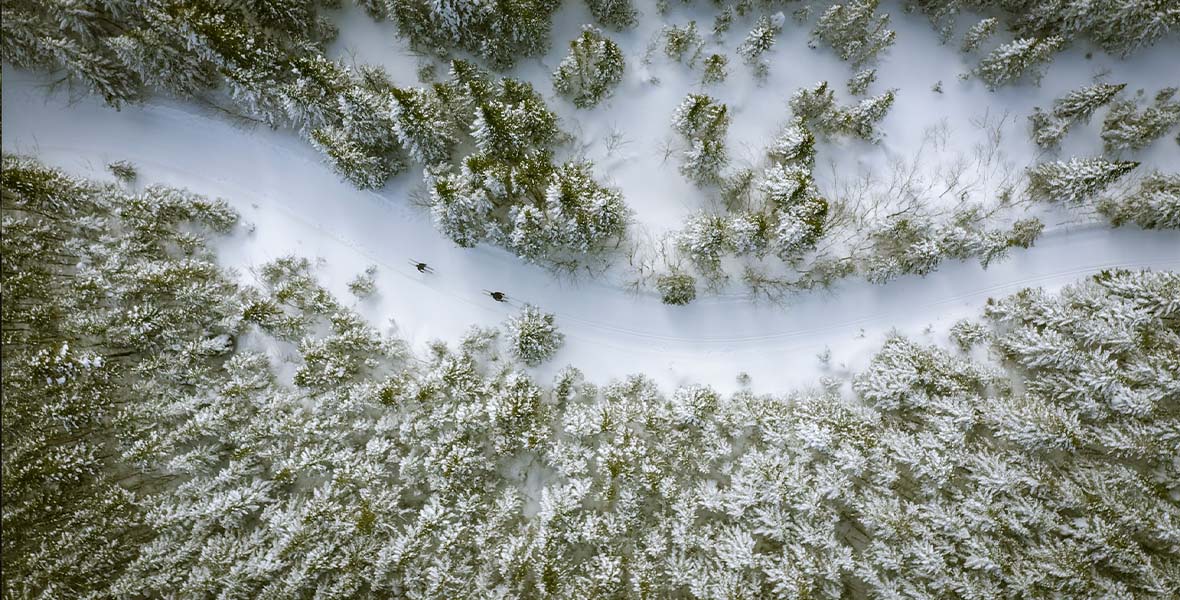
421 266
497 296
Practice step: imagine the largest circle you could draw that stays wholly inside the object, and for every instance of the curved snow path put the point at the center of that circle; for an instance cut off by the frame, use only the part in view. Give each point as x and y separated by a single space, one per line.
279 183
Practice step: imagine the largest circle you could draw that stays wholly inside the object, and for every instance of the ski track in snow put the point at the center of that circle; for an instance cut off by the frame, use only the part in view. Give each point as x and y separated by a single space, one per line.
276 181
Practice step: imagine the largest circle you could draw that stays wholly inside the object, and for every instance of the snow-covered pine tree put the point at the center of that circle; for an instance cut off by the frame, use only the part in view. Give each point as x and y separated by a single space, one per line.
677 288
422 125
461 210
705 239
1076 106
703 122
360 164
859 83
855 31
817 107
978 34
794 145
1077 180
577 216
680 40
1154 205
1016 59
499 33
1125 128
616 14
533 337
761 38
591 70
861 120
513 123
716 69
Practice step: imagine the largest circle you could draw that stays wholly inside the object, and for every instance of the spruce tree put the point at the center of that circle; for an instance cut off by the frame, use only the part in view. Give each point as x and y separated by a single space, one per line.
1076 106
1077 180
1125 128
855 31
616 14
703 123
533 337
1022 57
591 70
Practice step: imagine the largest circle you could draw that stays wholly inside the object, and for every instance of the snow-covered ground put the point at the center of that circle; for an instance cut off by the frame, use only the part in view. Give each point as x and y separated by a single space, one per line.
279 183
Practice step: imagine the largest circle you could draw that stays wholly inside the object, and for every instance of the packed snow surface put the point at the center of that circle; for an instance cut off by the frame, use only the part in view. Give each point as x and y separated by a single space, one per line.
278 184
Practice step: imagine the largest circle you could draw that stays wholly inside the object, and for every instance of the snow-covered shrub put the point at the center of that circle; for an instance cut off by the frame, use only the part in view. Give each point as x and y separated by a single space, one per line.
967 334
855 31
705 239
422 126
703 122
715 69
860 82
364 284
1076 106
761 38
123 171
861 120
533 337
681 40
1023 57
1125 128
616 14
591 70
1077 180
1154 205
677 288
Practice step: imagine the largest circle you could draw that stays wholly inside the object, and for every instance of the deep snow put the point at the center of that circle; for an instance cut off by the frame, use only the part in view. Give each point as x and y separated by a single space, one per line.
298 206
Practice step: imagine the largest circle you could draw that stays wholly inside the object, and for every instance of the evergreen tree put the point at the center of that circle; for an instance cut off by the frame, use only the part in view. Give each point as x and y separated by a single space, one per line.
855 31
677 288
1017 59
978 34
532 336
1077 180
1077 105
715 69
1127 129
817 107
761 38
681 40
703 122
498 33
860 82
422 126
705 239
616 14
1155 205
591 70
